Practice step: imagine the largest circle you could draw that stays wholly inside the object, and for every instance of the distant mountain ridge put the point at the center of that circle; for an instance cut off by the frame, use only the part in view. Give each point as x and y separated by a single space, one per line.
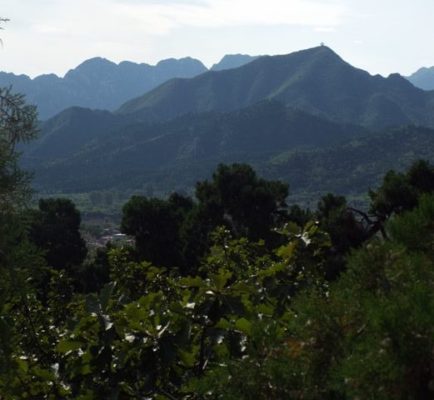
231 61
423 78
315 80
98 83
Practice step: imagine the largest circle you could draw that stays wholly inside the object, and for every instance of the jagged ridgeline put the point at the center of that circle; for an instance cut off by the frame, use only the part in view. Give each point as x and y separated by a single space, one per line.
102 84
98 83
261 112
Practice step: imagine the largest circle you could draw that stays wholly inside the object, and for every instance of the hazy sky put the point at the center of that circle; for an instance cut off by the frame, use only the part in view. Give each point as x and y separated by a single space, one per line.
381 36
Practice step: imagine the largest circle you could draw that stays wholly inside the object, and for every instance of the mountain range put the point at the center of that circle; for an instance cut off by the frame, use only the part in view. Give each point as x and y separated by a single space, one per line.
316 80
98 83
310 102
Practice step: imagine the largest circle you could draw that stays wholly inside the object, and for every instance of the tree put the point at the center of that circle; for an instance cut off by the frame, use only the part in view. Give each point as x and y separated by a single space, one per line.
20 263
248 205
394 196
346 232
18 123
400 192
155 225
55 229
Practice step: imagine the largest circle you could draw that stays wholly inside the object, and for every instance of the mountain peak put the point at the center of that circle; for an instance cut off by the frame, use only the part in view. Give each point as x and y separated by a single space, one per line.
186 61
97 60
92 66
423 78
316 80
321 50
230 61
183 67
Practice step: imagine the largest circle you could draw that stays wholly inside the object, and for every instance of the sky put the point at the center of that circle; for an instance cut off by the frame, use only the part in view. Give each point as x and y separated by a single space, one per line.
53 36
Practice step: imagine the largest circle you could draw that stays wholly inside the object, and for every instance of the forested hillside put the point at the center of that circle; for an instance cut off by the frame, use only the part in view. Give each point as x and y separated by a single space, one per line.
354 166
312 154
315 80
105 156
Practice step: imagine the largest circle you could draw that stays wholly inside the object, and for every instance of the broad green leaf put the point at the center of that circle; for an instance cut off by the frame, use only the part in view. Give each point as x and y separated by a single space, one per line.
244 326
68 345
221 279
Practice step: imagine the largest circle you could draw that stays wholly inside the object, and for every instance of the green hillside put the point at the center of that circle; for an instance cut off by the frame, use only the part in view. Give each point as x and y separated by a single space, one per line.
353 167
315 80
135 153
313 155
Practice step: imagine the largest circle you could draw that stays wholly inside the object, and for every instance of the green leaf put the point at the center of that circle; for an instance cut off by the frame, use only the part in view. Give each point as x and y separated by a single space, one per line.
221 279
223 324
287 252
244 326
188 358
189 281
85 369
68 345
92 304
23 366
105 295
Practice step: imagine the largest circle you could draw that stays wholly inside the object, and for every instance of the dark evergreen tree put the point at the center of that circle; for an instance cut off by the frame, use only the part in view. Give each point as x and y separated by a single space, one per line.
155 225
55 229
346 232
250 206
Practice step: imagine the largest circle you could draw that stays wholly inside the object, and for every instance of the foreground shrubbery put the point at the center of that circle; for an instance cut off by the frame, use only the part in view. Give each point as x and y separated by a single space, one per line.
253 323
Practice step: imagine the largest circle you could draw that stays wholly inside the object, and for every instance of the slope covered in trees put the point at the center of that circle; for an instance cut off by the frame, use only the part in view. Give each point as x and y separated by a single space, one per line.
101 156
311 154
316 80
354 166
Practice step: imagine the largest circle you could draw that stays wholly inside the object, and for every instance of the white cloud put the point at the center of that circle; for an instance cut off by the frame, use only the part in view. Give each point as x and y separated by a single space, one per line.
325 29
121 29
161 18
157 17
55 35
